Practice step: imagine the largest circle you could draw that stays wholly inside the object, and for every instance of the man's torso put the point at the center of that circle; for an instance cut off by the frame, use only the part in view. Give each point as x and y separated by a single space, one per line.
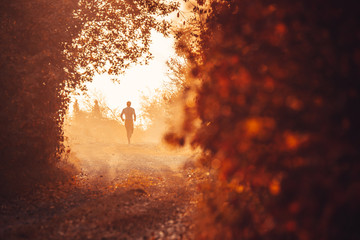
129 112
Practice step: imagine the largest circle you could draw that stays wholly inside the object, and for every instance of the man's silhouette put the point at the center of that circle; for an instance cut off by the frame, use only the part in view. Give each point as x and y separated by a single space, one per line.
129 120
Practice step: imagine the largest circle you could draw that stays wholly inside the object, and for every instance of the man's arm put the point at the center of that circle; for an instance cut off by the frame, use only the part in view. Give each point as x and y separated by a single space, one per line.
121 115
134 115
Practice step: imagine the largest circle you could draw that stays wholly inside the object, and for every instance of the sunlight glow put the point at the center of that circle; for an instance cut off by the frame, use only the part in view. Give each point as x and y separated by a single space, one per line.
140 80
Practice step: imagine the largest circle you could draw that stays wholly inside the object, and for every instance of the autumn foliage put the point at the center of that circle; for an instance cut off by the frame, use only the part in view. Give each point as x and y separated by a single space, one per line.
49 48
276 113
33 97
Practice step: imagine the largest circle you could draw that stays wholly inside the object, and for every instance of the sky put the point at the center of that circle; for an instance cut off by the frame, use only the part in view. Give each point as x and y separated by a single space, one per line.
137 81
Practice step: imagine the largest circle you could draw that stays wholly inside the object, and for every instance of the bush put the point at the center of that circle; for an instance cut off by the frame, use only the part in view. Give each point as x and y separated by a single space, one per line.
278 106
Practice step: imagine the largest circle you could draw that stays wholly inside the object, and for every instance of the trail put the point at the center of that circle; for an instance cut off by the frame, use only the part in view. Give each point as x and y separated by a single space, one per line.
138 191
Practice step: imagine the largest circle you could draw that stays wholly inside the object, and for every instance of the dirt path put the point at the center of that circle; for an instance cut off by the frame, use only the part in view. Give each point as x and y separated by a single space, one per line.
139 191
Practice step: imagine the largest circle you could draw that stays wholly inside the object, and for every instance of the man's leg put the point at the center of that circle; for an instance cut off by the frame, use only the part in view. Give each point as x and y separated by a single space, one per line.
129 129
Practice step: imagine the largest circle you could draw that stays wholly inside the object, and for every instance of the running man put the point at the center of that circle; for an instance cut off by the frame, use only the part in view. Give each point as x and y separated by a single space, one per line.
129 120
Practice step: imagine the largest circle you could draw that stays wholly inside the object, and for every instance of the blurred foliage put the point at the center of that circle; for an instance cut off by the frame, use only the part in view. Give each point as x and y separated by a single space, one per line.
49 48
275 111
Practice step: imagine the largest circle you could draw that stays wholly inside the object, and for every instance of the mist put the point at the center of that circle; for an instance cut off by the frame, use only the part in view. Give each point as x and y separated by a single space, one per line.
98 145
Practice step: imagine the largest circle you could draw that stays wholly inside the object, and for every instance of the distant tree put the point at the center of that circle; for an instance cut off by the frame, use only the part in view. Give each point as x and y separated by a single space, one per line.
95 111
276 115
154 110
176 73
76 108
49 48
163 111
